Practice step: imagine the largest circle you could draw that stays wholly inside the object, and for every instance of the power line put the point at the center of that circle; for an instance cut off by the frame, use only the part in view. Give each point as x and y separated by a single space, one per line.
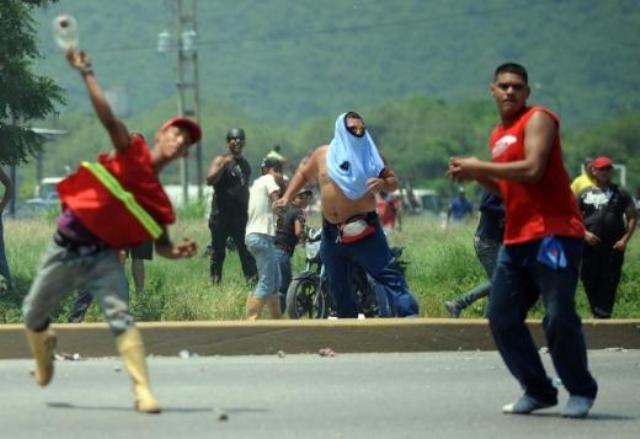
286 36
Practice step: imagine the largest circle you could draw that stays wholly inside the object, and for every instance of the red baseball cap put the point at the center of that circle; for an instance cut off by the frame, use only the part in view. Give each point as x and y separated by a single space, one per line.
602 162
193 128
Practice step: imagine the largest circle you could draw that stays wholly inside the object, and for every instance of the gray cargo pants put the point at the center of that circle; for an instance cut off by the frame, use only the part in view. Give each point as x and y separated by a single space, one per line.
64 270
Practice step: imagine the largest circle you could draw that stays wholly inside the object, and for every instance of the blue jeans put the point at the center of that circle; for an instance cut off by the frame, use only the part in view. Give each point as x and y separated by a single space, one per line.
80 307
517 283
4 265
284 266
373 254
487 253
262 248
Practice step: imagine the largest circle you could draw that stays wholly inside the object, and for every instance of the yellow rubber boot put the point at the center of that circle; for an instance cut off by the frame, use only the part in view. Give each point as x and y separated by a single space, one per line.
133 356
254 307
42 345
273 303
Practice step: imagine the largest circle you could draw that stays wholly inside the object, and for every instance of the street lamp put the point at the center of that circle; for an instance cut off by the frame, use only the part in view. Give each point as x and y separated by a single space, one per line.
164 41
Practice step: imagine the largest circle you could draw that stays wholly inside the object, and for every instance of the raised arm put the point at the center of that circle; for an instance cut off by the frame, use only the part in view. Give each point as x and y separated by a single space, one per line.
116 129
305 173
218 165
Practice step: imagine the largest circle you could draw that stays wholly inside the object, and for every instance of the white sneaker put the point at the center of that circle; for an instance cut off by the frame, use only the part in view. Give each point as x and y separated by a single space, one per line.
577 407
525 405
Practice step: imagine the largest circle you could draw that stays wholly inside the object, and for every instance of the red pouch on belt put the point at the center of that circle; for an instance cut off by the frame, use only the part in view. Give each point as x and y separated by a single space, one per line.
355 229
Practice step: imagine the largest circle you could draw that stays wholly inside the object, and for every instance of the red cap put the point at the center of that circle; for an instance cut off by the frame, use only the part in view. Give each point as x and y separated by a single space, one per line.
601 162
193 128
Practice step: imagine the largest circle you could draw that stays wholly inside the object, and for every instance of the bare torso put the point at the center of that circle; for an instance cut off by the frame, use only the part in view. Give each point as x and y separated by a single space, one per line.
336 207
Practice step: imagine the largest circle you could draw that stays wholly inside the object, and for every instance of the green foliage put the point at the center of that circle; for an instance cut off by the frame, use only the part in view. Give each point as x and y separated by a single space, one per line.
417 71
195 210
617 138
24 96
284 61
442 266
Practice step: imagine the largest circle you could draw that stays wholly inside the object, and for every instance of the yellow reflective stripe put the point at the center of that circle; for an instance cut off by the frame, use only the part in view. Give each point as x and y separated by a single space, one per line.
116 189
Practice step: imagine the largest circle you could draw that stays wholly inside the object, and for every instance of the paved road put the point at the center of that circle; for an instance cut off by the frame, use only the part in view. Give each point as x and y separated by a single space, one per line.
448 395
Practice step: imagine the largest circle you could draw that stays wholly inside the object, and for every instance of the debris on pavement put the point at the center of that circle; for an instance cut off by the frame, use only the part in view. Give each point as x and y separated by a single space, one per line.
65 356
326 352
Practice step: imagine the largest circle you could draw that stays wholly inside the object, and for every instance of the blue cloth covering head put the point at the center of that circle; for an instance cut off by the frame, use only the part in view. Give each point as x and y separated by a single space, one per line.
352 160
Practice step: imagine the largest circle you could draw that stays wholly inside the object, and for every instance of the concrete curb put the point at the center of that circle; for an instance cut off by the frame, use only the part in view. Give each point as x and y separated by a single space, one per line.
305 336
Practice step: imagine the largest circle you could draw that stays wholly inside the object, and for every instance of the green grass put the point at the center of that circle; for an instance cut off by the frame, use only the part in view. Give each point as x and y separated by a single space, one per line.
442 265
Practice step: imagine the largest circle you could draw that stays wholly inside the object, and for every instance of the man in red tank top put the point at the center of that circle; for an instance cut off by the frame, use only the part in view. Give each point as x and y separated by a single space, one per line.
542 248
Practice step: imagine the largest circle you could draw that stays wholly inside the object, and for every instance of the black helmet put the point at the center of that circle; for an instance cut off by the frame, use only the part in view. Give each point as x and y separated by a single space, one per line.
235 133
271 163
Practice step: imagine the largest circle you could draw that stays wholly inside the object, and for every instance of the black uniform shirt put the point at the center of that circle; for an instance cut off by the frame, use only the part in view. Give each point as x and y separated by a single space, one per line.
603 212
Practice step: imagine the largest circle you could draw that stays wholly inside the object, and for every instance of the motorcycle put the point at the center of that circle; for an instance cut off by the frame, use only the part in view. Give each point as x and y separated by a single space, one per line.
308 294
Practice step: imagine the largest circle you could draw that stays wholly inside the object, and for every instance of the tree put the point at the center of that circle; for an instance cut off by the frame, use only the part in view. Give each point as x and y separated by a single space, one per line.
24 96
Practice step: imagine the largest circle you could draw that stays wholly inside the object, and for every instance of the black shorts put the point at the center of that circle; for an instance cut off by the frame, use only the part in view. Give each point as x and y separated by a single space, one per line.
142 251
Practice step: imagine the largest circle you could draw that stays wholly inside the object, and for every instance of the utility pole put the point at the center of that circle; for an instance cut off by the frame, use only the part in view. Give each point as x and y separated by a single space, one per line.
187 82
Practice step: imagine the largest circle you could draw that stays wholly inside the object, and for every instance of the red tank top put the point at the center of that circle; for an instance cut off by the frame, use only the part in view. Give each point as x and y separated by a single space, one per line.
535 210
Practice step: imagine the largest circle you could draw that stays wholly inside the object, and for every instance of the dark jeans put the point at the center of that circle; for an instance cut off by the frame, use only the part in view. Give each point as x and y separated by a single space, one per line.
487 253
235 227
4 265
373 254
80 307
600 275
517 283
284 265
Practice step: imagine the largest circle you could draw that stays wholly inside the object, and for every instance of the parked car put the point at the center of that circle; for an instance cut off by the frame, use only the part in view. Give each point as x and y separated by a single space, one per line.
423 201
37 207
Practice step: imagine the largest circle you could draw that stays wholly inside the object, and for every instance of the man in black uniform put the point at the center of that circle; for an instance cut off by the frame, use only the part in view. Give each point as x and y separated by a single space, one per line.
610 218
230 174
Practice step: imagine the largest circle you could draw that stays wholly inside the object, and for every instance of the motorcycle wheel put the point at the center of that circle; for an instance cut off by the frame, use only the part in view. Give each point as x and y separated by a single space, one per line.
305 300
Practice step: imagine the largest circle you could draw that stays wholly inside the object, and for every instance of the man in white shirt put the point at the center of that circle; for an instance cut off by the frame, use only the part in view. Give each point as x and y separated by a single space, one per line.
260 239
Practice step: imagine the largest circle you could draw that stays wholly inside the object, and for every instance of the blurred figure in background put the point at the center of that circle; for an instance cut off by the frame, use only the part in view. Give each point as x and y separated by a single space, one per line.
230 176
585 179
487 242
289 232
610 218
260 240
388 208
460 208
6 283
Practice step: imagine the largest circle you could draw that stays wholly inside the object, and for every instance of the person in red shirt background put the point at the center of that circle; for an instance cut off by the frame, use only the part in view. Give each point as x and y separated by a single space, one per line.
388 209
542 248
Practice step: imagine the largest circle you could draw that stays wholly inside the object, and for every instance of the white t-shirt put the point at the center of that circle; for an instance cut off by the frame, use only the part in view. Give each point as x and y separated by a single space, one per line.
262 219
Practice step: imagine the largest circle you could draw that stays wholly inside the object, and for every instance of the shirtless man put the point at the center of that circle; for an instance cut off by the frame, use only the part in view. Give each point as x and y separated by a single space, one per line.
350 172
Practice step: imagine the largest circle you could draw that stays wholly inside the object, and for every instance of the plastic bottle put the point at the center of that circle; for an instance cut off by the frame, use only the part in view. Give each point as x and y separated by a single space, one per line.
65 32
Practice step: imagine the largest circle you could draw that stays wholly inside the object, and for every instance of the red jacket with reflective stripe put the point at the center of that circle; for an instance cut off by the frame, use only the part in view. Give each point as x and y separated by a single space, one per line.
106 216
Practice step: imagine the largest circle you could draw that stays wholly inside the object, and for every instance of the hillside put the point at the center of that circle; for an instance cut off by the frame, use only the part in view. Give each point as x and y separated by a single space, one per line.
282 61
